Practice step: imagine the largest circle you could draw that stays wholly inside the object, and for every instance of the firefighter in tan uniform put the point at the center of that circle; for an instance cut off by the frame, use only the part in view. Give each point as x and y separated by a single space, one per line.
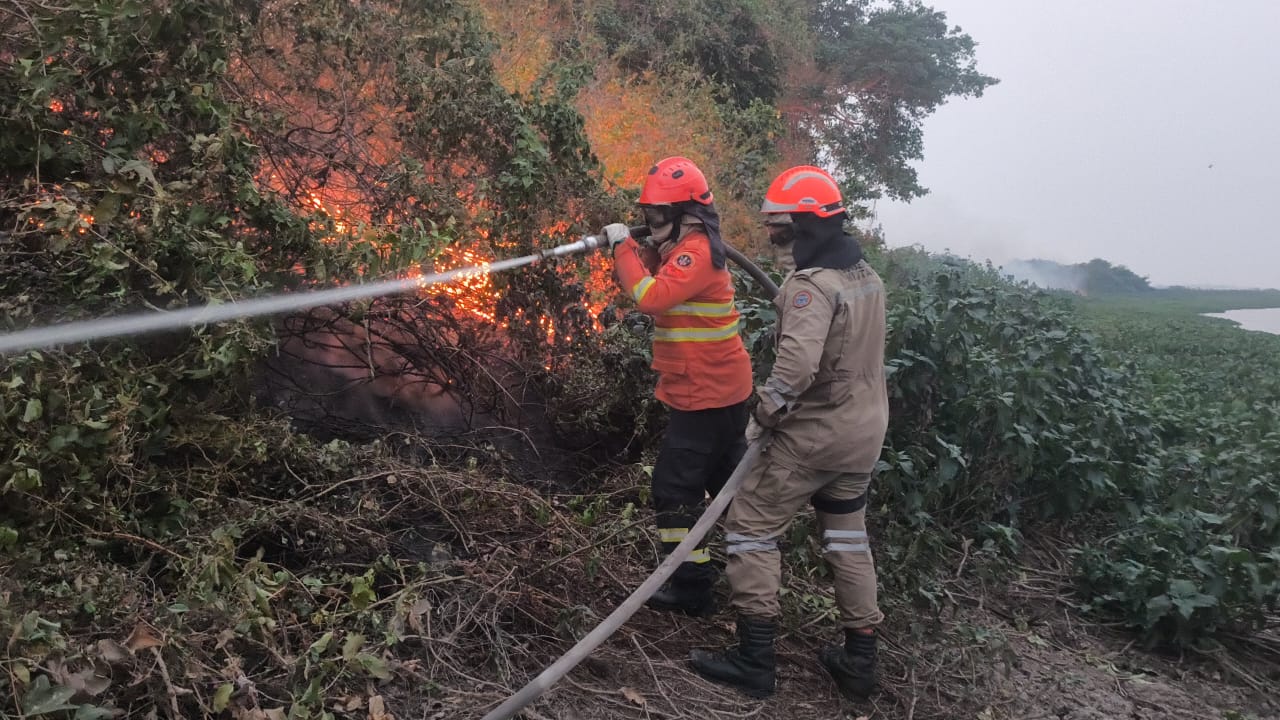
827 406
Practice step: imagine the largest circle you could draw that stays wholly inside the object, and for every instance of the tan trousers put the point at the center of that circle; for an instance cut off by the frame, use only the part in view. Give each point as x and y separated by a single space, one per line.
776 489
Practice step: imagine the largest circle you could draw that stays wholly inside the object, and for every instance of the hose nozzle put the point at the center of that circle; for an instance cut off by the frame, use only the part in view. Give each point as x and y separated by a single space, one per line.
590 242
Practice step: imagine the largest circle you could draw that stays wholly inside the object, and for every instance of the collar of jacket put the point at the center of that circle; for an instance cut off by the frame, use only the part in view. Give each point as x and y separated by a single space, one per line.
688 226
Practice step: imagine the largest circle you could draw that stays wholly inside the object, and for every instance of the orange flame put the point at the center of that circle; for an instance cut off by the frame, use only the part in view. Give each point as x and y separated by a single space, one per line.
332 167
473 291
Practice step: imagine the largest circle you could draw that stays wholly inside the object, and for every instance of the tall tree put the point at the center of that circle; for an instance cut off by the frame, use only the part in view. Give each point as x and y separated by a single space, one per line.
878 69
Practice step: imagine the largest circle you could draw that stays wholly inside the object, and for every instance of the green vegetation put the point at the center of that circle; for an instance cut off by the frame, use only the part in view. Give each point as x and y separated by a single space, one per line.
884 67
1154 432
148 500
1181 301
851 80
1116 286
1203 549
171 544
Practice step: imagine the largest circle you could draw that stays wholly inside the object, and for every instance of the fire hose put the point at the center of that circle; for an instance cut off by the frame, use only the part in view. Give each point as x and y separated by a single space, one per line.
610 625
43 337
62 334
584 647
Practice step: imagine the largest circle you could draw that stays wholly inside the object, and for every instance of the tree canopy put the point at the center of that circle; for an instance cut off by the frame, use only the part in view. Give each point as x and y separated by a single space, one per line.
883 68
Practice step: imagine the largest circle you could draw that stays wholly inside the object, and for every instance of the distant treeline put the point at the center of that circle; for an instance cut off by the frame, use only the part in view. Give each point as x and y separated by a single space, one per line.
1099 278
1096 277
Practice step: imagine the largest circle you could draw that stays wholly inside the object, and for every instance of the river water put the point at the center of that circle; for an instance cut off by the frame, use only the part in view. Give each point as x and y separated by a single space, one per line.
1264 320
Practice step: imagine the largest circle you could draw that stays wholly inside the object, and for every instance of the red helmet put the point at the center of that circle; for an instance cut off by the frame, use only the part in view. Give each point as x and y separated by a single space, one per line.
803 189
675 180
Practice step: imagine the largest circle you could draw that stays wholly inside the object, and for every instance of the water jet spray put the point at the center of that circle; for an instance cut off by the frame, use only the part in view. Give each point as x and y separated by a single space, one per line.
140 323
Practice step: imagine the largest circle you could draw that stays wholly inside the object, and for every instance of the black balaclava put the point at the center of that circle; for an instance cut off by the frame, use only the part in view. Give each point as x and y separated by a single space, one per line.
710 219
822 242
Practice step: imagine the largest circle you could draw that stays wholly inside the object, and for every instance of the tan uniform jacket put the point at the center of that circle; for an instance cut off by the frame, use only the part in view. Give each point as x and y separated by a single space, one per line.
826 398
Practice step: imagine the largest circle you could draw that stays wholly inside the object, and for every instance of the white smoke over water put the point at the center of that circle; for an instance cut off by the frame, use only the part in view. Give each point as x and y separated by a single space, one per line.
1046 274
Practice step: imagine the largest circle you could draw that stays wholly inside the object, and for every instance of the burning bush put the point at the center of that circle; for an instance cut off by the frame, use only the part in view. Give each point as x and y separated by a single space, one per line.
192 153
156 156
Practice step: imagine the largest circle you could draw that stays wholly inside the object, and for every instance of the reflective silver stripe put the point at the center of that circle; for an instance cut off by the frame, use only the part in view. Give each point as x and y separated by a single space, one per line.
779 392
735 544
778 401
844 534
781 387
846 547
803 174
696 334
769 206
746 547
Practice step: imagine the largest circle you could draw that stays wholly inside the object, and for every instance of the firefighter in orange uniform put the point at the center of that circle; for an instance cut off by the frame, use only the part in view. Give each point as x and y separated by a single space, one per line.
704 374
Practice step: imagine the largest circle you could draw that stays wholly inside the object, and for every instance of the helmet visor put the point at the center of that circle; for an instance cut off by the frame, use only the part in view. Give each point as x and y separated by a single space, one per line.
781 228
656 216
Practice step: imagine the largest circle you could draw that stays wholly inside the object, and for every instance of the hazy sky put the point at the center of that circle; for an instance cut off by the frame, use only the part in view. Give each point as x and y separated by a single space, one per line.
1098 140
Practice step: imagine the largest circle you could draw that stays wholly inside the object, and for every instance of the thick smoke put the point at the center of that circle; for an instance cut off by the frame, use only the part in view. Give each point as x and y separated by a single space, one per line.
1047 274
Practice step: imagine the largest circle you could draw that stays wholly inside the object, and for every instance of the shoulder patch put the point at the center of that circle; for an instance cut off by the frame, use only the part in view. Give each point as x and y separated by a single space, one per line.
685 260
802 299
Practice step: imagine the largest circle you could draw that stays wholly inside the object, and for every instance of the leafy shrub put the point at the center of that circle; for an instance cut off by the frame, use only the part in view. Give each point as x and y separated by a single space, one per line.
1202 549
140 194
1006 414
157 181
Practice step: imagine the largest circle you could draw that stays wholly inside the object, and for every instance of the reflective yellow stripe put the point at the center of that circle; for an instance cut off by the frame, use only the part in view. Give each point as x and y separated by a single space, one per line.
696 334
641 288
701 309
699 556
672 534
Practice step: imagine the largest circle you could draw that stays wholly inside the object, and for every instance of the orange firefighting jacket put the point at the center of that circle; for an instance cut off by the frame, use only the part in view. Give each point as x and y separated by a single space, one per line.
697 353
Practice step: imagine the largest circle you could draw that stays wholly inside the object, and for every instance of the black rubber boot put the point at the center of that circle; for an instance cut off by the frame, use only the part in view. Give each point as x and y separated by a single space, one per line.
750 666
693 599
853 666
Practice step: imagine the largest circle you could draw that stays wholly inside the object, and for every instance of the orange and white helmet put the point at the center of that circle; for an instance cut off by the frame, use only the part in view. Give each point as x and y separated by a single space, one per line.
675 180
803 189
